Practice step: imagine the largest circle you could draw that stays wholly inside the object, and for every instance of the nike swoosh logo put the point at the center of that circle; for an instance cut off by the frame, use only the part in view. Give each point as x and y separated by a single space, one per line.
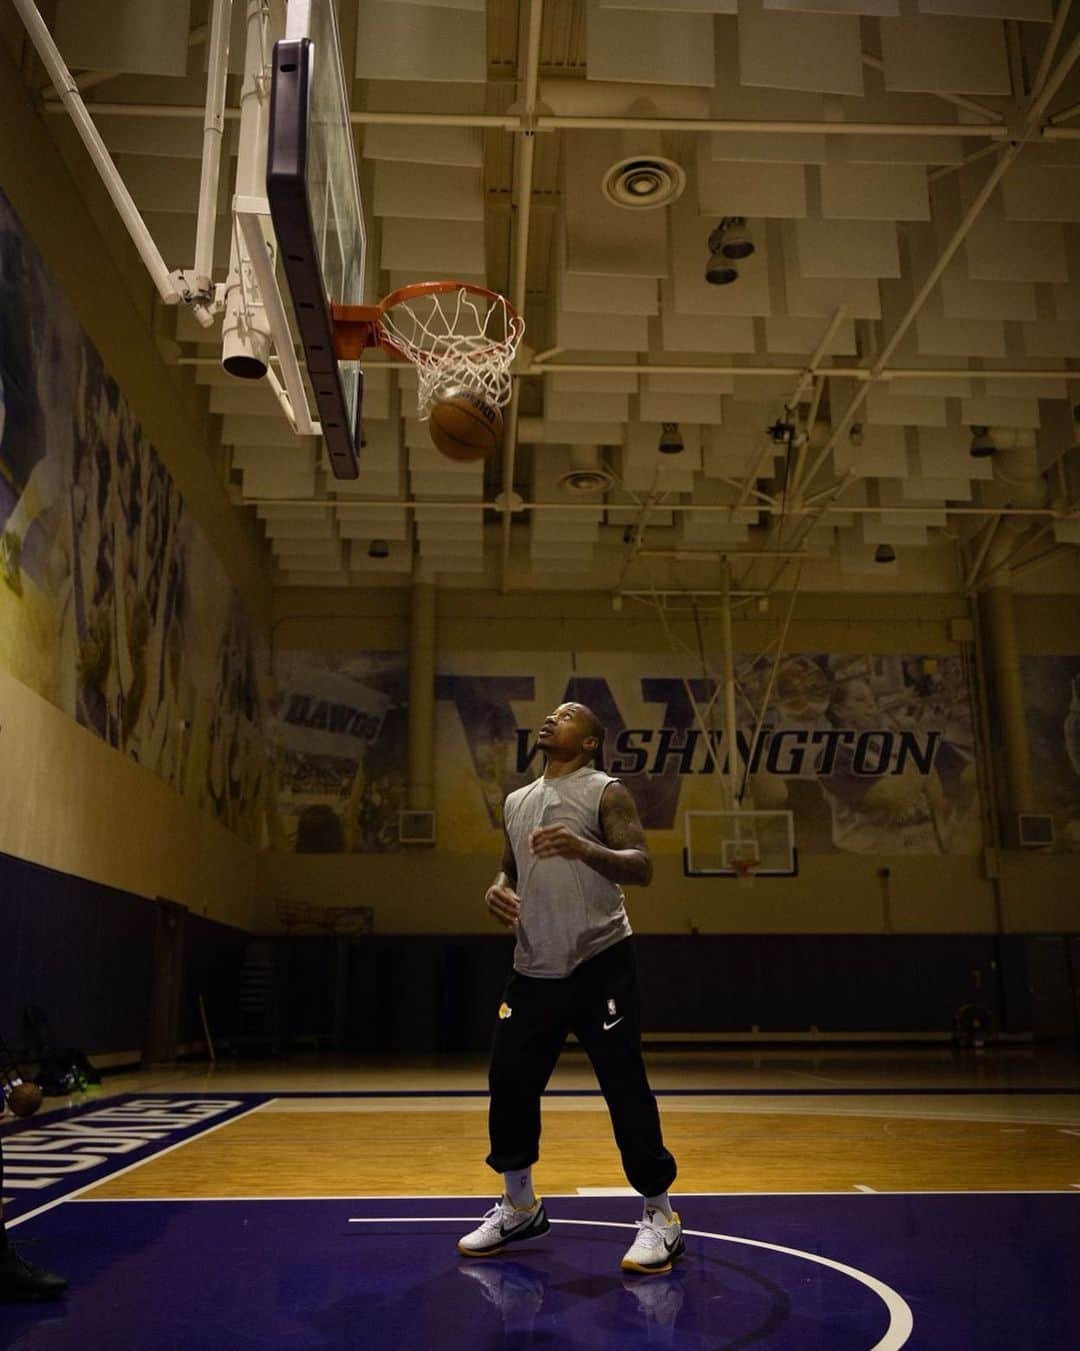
671 1246
609 1026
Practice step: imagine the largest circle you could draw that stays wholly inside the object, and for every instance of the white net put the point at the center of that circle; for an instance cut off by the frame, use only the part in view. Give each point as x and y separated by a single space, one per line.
458 338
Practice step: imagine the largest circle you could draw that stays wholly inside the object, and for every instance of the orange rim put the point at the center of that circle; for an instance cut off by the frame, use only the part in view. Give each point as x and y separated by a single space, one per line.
418 289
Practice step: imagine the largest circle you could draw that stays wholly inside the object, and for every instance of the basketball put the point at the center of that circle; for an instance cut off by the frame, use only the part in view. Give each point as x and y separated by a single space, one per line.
24 1099
465 425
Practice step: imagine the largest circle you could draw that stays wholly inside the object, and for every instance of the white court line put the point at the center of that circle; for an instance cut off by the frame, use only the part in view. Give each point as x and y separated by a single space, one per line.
861 1187
901 1320
159 1154
607 1191
486 1196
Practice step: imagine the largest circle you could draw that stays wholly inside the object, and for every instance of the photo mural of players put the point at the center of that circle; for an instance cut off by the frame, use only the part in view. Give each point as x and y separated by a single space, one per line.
339 739
112 604
872 753
1052 704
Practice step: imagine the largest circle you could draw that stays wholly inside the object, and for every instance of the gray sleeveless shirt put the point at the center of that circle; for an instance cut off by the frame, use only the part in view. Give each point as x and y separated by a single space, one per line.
569 912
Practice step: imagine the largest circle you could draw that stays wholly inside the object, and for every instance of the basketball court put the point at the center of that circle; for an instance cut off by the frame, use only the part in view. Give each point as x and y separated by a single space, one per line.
378 377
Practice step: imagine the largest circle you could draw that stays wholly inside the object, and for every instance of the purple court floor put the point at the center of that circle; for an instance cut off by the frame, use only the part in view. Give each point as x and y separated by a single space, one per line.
948 1271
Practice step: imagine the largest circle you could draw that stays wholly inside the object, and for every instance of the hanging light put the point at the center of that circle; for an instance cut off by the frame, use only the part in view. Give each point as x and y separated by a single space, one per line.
737 243
982 443
884 553
671 442
729 243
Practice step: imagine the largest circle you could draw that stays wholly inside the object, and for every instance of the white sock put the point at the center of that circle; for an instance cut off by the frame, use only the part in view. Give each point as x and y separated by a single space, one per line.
661 1203
519 1187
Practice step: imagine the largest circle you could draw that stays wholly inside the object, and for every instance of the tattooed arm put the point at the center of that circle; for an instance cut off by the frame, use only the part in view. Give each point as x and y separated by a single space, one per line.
623 857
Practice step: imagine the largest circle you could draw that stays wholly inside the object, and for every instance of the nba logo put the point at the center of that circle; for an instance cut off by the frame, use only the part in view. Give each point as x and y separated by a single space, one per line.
611 1008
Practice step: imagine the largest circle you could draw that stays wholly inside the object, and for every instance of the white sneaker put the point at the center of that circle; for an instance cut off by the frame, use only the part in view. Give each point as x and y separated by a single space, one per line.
503 1224
659 1242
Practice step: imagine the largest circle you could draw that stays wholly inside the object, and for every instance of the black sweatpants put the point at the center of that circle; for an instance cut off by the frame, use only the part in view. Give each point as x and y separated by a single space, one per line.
599 1002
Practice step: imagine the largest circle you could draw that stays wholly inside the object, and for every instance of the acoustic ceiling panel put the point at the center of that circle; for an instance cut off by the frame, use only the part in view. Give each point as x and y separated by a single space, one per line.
734 99
440 192
803 335
961 338
872 450
990 410
675 6
148 38
729 189
414 247
812 53
1041 192
601 332
601 382
1037 11
567 406
828 249
869 7
646 47
999 250
900 410
420 42
875 192
461 146
944 55
962 298
944 452
818 297
702 332
666 406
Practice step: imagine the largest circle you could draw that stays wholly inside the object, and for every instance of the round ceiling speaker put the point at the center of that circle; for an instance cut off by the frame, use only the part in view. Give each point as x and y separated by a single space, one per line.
644 183
597 480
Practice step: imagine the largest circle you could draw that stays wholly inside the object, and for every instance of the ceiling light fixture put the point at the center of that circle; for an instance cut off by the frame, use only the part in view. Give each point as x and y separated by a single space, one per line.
982 443
671 442
729 243
884 553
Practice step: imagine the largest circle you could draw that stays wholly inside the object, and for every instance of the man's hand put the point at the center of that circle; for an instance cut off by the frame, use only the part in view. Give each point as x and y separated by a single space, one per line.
503 903
557 842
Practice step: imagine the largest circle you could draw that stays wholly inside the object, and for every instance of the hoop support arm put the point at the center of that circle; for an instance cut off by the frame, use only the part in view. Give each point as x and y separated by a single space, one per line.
355 329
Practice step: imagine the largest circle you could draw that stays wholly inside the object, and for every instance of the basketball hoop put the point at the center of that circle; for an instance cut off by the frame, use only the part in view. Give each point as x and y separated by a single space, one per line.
744 869
454 333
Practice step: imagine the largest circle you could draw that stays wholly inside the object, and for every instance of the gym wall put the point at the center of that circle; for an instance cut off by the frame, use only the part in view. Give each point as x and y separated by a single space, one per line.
86 308
928 889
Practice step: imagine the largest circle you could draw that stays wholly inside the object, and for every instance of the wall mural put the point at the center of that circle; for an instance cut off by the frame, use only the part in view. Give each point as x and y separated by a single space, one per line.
113 605
1052 702
872 754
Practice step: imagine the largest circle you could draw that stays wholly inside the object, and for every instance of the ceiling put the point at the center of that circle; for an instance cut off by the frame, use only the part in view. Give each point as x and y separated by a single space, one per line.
916 273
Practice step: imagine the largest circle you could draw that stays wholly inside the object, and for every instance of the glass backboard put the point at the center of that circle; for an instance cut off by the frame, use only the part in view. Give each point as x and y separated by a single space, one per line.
314 193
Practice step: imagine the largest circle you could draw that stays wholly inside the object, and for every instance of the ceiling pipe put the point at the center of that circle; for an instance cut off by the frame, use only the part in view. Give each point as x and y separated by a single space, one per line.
701 508
1050 50
526 150
71 102
569 122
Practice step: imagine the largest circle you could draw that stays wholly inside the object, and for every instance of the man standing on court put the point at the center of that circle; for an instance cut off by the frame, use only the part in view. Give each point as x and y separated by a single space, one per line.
573 839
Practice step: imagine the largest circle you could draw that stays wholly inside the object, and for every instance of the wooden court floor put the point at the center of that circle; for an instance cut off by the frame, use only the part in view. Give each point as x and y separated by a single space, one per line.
926 1123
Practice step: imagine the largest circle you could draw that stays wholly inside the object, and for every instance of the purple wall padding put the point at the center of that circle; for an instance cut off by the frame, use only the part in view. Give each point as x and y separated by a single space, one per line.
83 952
